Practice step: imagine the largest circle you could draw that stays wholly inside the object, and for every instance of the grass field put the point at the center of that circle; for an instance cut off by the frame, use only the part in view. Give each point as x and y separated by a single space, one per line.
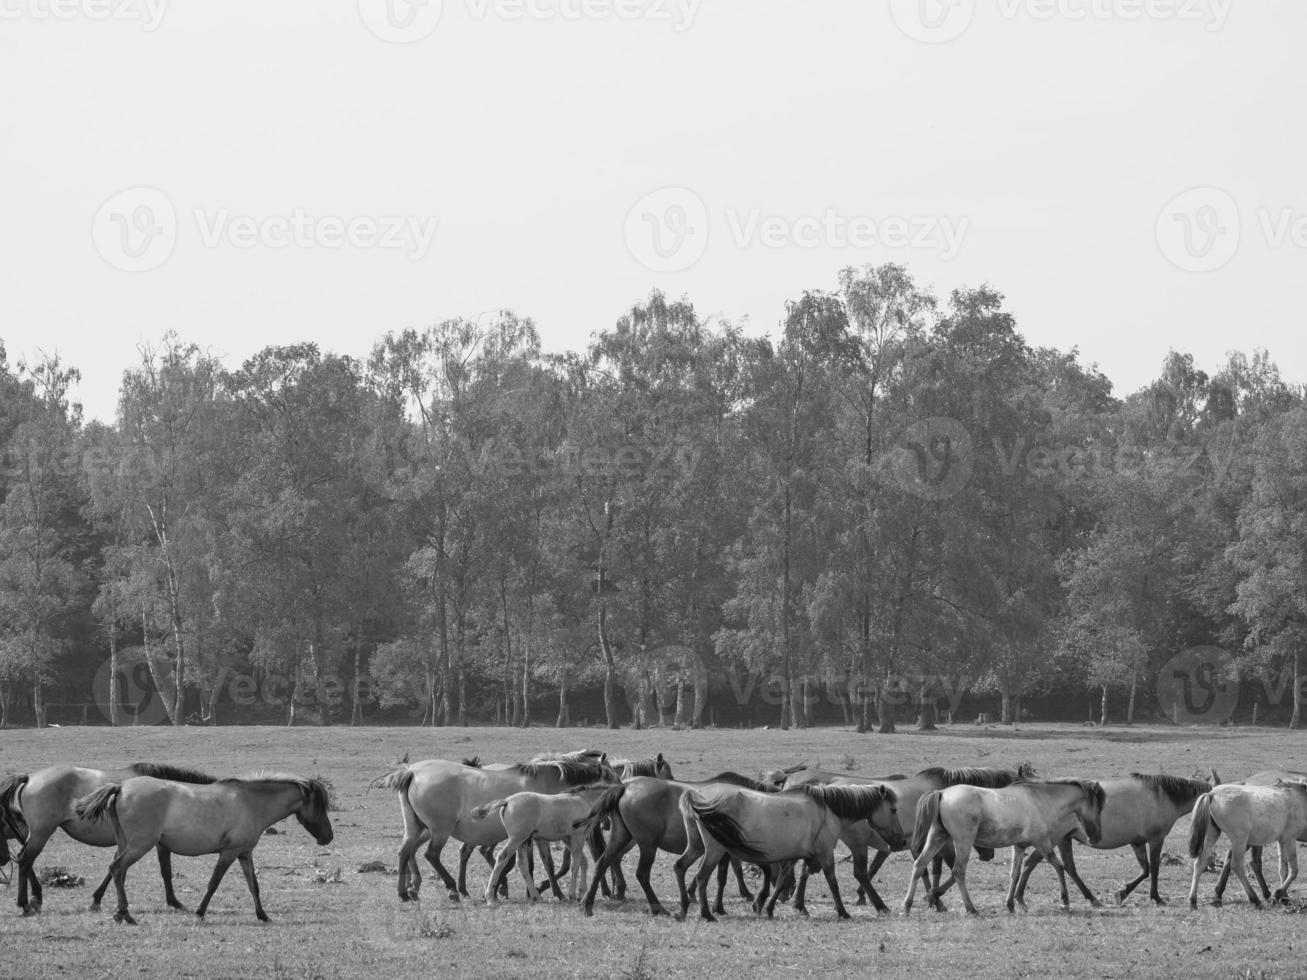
356 928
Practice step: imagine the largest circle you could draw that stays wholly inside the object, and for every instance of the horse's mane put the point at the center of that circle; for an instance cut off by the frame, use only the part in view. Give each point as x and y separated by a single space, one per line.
1177 789
580 755
572 771
628 768
1092 788
736 779
845 801
474 762
970 776
177 774
314 790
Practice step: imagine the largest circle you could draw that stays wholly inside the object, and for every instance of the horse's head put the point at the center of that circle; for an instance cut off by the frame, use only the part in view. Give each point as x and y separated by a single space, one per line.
312 813
607 774
884 818
661 768
1092 811
1025 772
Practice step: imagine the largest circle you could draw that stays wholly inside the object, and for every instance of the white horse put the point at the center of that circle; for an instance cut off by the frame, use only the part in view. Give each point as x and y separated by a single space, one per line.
537 817
1253 816
1022 815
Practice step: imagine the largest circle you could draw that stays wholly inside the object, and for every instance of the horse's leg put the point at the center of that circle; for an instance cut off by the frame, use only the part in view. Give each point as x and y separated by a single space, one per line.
619 842
1141 855
935 841
738 867
723 872
960 858
1031 862
1018 852
98 894
31 850
410 879
165 870
251 879
712 855
225 858
1200 864
464 854
1051 856
865 888
432 855
503 864
1288 868
553 876
801 889
1237 847
1069 862
523 850
801 872
769 877
827 862
1154 869
1224 876
694 849
1257 872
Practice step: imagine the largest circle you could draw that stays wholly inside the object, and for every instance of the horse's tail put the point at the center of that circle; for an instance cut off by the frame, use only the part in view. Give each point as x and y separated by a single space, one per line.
100 805
603 807
397 779
483 811
9 789
1202 822
927 817
725 828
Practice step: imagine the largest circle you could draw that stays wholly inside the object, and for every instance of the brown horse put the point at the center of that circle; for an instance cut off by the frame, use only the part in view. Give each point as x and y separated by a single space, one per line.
645 812
226 818
44 801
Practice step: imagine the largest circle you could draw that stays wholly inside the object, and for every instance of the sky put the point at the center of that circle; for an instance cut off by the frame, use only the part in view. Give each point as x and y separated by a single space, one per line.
1130 174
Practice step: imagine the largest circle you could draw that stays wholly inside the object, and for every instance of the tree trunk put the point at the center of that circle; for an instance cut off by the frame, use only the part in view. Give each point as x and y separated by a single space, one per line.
115 710
700 694
562 701
885 707
926 720
526 681
1130 705
1295 720
1102 710
610 666
38 702
1006 712
356 703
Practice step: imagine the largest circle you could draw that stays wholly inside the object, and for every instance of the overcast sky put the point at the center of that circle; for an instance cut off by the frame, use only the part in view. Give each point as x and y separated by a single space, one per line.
1132 174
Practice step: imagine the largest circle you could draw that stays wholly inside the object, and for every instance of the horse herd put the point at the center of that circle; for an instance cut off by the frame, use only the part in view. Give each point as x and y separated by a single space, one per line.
787 822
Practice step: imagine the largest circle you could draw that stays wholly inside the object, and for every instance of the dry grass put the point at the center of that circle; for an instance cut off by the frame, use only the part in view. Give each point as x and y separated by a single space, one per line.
357 928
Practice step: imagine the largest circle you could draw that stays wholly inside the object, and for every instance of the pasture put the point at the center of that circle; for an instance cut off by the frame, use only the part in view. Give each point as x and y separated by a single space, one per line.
330 920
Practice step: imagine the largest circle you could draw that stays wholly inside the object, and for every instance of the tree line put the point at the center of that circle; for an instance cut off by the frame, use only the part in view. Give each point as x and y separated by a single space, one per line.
893 497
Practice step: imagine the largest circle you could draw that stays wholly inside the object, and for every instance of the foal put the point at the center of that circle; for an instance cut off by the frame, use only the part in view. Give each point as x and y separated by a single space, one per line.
536 817
1252 816
227 818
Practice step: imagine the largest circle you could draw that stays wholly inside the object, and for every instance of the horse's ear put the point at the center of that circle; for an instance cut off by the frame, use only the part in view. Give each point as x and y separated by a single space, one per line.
1216 780
660 757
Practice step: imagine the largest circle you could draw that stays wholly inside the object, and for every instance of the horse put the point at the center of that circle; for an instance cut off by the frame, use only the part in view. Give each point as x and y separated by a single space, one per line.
1267 777
645 812
436 798
226 818
1140 811
1257 815
1020 815
770 828
44 802
909 790
539 817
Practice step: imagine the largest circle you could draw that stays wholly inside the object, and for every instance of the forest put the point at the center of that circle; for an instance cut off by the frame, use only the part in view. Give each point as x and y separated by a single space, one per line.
891 509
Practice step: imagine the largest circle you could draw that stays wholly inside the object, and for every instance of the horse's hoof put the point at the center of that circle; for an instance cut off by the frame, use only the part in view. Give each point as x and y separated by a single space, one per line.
263 917
453 897
125 918
95 907
1094 903
708 917
1158 899
30 911
803 911
861 901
